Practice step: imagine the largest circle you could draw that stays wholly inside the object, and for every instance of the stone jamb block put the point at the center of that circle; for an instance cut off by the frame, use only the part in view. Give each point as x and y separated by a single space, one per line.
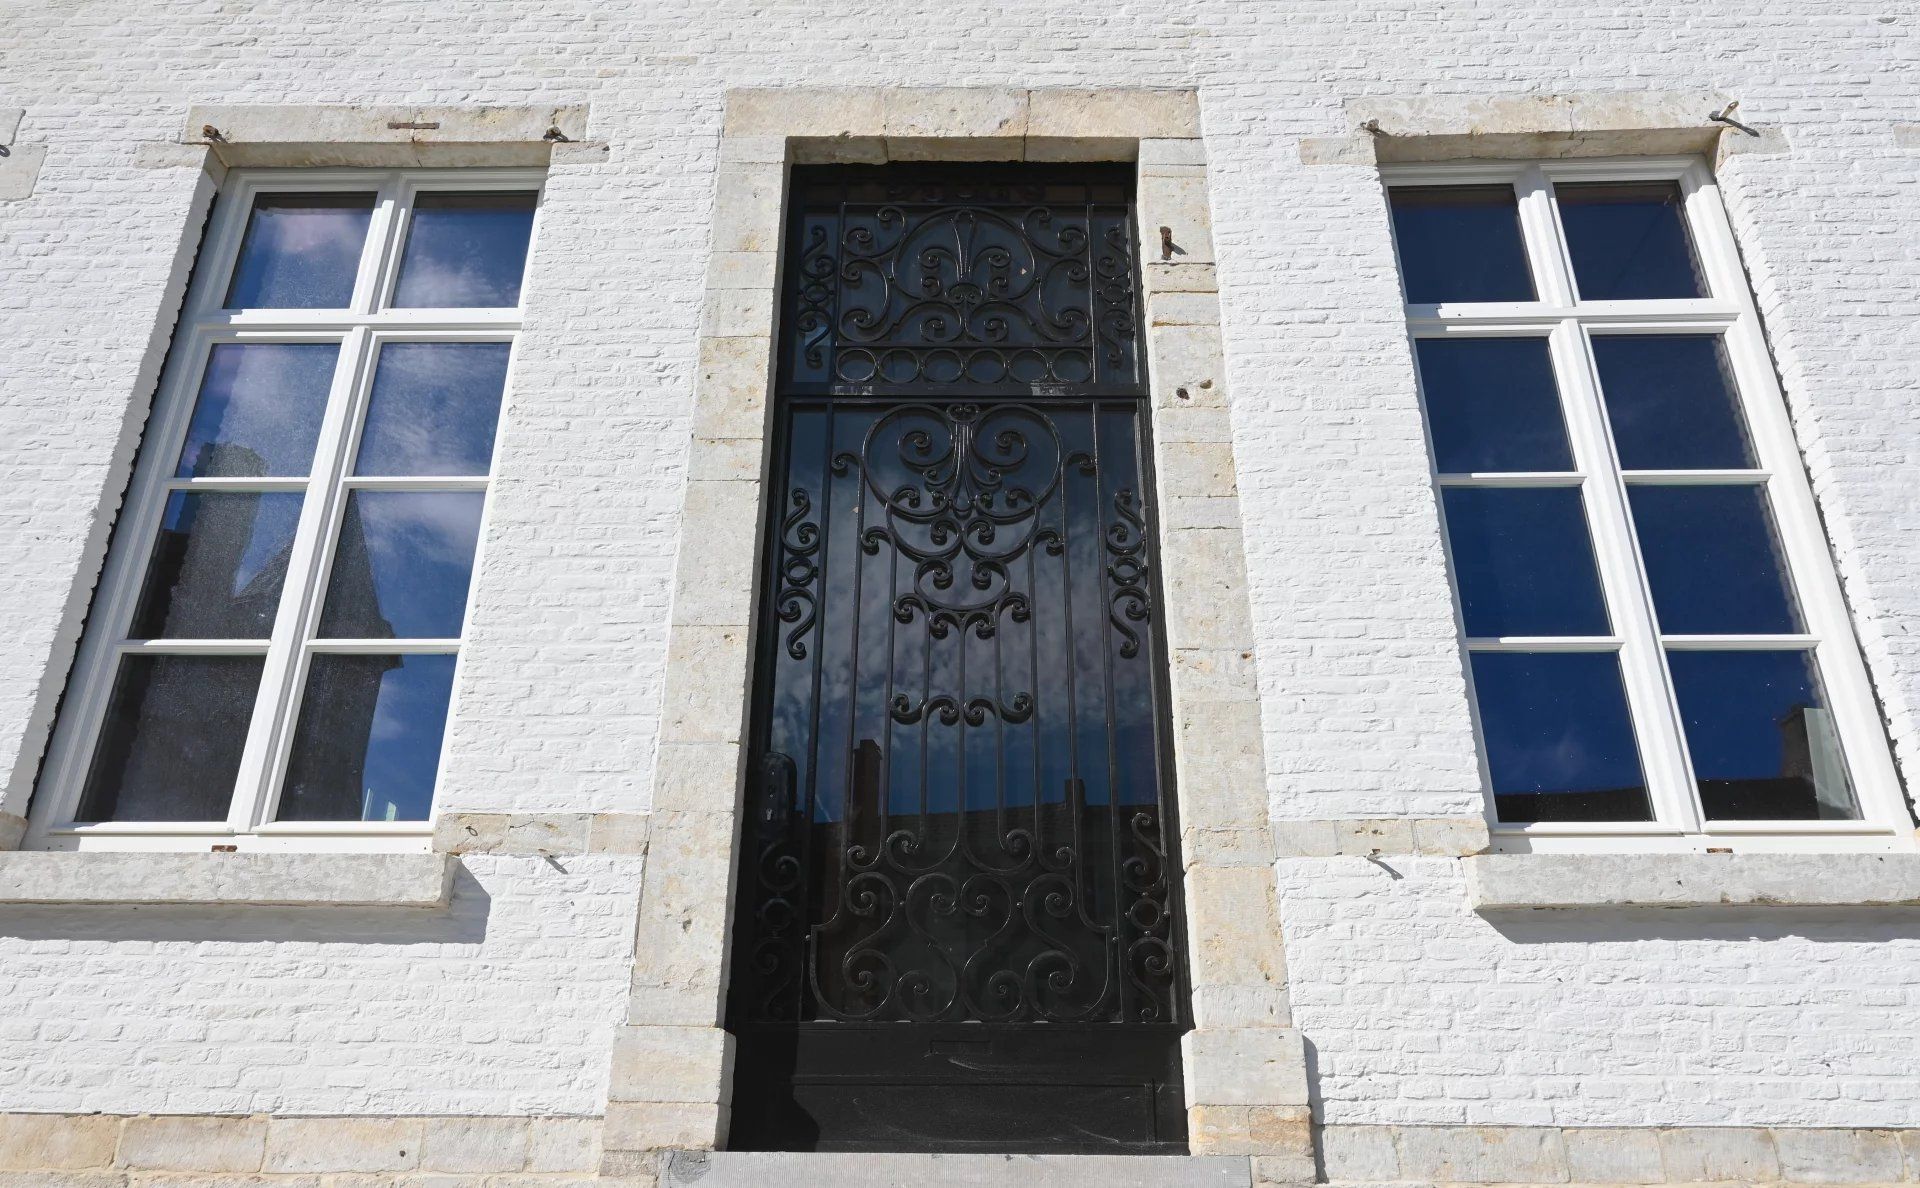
662 1126
666 1064
619 833
707 673
730 388
1250 1066
1284 1133
755 271
10 118
1178 203
714 584
13 827
747 204
738 312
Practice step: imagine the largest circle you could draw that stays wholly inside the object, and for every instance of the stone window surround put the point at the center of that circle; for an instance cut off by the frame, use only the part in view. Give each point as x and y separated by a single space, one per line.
214 139
1244 1064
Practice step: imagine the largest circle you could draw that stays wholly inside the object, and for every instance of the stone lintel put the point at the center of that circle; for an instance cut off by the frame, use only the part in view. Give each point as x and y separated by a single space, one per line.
868 125
1503 882
383 135
266 879
1536 126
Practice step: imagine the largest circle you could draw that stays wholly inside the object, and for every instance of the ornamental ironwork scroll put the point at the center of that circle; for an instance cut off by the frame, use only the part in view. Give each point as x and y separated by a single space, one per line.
995 280
959 807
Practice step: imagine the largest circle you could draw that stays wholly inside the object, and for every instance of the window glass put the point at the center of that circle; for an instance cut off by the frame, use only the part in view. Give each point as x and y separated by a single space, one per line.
368 744
403 565
1523 561
259 410
1761 736
1560 745
1492 405
218 565
1713 560
169 749
1671 402
1629 241
465 249
434 409
1460 243
301 251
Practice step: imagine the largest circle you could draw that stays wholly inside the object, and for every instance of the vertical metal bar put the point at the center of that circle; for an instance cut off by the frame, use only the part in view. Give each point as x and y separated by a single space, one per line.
1113 766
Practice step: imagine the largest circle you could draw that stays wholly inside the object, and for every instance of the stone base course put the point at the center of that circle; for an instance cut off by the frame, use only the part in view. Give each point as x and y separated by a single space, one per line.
207 1151
325 1152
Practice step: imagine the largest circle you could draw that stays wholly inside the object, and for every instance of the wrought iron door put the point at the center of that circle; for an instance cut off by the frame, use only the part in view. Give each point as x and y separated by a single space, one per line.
958 922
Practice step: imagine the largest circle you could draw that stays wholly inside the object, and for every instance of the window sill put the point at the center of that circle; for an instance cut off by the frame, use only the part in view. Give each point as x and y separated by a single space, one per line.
1509 882
213 880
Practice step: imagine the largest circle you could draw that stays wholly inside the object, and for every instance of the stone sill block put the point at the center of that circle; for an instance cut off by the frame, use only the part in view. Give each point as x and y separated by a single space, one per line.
195 880
1509 882
757 1169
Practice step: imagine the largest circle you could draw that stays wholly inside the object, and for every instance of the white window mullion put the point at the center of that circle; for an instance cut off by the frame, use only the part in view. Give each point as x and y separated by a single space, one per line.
1540 230
1642 668
306 570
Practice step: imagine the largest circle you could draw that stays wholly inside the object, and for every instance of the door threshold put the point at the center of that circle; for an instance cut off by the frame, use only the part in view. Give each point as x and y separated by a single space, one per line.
805 1169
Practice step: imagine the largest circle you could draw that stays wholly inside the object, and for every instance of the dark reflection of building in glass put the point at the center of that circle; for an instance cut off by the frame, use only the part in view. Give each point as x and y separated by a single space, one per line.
175 726
326 776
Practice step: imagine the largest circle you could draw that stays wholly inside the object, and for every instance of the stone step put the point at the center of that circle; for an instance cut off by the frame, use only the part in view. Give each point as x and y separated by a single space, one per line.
780 1169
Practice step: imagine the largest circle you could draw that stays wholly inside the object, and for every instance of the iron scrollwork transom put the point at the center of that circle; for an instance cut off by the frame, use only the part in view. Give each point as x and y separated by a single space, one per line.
992 281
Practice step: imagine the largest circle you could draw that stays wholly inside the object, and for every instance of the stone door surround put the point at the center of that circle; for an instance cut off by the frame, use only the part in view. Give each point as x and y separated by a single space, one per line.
1244 1063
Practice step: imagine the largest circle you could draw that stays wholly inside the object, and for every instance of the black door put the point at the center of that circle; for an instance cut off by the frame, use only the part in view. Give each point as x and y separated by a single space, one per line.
958 918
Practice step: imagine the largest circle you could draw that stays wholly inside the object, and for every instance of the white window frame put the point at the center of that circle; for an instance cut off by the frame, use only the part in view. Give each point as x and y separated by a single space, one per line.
361 330
1567 323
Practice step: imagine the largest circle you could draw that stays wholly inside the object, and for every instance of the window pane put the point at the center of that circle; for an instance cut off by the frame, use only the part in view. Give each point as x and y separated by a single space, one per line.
433 409
1460 243
1560 745
259 410
169 748
1671 402
1492 404
301 251
465 250
1523 561
217 566
1629 241
1762 739
368 743
402 566
1713 559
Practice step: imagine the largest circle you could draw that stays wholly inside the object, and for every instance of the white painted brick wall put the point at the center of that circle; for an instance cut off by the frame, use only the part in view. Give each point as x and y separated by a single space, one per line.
1404 993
